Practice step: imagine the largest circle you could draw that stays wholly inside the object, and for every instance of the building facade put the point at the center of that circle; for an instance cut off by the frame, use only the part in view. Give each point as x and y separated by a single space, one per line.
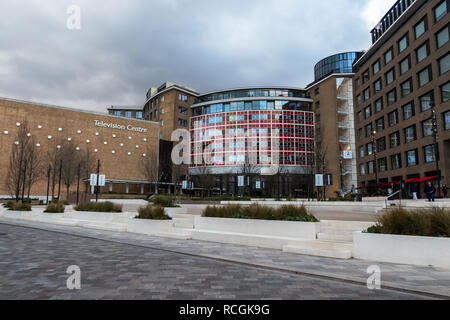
119 143
241 136
132 112
401 96
332 94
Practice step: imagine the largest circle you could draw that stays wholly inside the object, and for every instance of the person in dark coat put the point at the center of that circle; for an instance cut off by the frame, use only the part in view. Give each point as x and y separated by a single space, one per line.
430 190
444 191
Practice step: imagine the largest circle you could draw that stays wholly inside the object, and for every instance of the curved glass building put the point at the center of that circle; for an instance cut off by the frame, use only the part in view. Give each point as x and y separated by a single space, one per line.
338 63
260 131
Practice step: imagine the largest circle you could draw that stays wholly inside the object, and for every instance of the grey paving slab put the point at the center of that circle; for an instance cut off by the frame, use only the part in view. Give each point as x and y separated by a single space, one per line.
130 263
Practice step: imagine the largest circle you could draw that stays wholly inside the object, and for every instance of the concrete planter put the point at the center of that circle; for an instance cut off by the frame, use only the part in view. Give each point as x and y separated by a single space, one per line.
287 229
421 251
149 227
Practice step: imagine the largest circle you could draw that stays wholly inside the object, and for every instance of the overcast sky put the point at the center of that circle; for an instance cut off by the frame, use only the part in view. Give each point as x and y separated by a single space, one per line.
125 47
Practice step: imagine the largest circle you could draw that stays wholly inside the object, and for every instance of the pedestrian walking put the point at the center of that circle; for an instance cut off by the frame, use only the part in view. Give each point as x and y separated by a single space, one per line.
444 191
430 191
414 191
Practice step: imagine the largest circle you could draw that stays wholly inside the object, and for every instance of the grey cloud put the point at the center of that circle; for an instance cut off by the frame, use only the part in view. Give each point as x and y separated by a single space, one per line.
125 47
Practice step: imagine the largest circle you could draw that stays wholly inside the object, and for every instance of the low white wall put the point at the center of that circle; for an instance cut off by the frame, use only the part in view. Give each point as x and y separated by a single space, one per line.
422 251
301 230
149 227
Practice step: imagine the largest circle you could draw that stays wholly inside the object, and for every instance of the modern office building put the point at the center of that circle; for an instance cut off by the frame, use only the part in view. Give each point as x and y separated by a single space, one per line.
238 135
401 96
133 112
119 143
332 94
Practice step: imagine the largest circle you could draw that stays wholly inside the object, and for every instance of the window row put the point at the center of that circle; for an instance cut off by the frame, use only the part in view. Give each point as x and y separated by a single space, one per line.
430 155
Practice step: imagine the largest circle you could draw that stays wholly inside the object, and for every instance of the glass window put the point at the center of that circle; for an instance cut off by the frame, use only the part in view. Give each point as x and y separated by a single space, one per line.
388 56
424 76
365 76
366 94
445 92
368 130
444 64
391 97
427 127
408 111
403 43
360 133
128 114
410 134
396 161
382 164
357 83
426 101
442 37
393 118
429 153
406 87
358 100
379 124
362 169
440 10
360 117
405 65
422 52
379 105
369 148
361 152
139 115
381 144
420 28
377 86
390 76
118 113
370 167
411 157
367 112
394 139
447 120
376 67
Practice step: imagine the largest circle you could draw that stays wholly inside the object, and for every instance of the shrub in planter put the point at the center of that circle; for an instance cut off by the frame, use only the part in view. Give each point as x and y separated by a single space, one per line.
259 212
152 213
55 207
19 206
99 207
427 222
163 201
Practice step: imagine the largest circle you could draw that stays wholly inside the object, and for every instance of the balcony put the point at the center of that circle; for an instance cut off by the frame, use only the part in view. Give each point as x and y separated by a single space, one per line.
343 111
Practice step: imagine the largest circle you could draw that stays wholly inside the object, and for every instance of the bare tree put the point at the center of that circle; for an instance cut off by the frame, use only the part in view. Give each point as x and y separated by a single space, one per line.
205 179
36 170
70 160
321 163
179 172
149 168
21 162
87 165
249 170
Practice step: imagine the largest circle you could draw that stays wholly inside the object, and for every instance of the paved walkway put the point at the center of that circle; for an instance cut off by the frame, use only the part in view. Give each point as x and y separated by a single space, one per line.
224 271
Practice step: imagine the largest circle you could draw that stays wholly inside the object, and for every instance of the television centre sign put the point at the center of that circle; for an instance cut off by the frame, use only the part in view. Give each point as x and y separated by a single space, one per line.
119 126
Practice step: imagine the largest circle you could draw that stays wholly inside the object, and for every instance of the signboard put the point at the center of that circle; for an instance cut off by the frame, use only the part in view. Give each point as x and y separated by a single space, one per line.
185 184
328 179
319 180
347 155
258 184
240 181
93 179
102 180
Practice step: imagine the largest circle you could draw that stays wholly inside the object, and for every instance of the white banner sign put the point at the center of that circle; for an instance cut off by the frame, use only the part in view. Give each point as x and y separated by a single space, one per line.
102 180
240 181
93 179
319 180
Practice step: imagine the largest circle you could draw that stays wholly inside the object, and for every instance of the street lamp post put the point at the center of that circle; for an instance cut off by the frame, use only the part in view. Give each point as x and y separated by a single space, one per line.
436 146
374 150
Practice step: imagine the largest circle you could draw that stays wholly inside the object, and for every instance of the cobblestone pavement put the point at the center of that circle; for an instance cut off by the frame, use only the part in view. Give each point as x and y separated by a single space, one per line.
33 265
